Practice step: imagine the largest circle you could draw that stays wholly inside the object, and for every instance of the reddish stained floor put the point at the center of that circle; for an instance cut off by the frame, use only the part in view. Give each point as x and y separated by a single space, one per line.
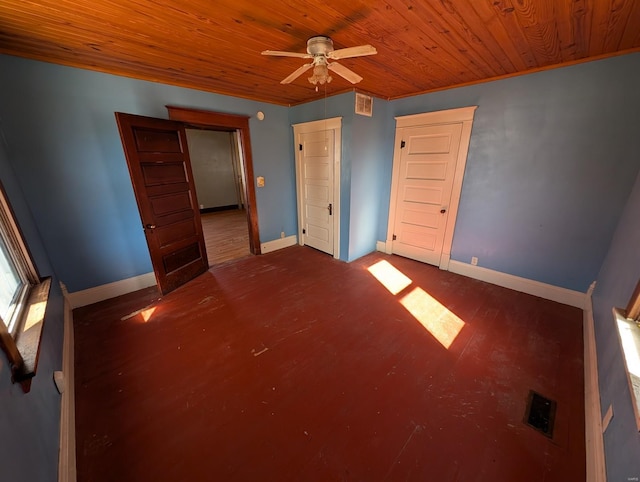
295 366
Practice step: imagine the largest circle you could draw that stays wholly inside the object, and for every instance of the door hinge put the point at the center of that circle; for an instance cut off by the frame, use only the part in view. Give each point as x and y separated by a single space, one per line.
299 147
402 144
393 238
304 231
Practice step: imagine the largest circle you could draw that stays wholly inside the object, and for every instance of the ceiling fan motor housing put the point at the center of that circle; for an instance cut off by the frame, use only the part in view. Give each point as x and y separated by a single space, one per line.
319 45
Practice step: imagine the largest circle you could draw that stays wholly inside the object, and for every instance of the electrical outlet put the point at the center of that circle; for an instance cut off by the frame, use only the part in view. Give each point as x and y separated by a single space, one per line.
474 261
282 234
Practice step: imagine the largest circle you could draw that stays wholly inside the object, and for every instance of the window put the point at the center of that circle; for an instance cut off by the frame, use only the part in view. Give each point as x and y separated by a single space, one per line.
23 298
629 336
633 308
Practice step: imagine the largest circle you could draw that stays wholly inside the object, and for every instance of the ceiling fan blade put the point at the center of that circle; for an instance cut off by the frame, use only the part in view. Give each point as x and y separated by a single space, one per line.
342 71
359 51
297 73
279 53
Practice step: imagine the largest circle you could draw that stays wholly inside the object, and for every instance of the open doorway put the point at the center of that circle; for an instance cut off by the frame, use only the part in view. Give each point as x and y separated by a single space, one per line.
225 229
217 165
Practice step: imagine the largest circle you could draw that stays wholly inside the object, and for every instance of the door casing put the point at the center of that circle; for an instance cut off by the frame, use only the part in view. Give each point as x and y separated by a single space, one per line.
463 116
229 122
334 124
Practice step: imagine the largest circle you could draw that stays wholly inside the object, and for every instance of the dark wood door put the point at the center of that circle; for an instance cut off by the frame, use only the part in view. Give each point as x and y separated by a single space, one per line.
158 160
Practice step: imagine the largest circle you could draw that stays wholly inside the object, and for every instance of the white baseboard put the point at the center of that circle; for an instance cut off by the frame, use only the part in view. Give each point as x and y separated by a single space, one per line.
385 246
67 452
592 411
277 244
536 288
110 290
445 260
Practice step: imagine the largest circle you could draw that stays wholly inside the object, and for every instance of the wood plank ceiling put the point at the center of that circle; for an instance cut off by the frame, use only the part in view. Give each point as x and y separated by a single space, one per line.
215 45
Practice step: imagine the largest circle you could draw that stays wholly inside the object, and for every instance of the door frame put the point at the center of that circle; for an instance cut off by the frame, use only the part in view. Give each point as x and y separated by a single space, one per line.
334 124
464 116
211 120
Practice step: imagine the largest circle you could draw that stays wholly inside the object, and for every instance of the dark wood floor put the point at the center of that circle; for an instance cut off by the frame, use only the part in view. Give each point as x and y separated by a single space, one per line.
226 235
295 366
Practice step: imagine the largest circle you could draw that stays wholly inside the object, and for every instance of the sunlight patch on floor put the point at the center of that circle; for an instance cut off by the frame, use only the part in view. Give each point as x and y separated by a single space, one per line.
391 278
145 314
443 325
436 318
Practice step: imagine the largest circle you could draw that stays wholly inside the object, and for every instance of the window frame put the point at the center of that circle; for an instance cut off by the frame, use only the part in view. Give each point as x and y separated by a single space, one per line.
21 333
632 311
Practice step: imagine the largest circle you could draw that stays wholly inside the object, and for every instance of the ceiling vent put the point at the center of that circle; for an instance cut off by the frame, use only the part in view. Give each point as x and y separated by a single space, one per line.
364 104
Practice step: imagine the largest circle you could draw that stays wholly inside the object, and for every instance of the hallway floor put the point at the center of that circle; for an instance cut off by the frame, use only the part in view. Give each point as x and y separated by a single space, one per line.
226 235
295 366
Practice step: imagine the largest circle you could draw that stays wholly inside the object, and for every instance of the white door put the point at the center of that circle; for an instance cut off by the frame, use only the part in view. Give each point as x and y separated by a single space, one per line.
427 164
317 185
317 149
428 167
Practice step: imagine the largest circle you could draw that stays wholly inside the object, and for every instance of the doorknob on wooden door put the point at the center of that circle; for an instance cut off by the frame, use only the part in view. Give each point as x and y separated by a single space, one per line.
443 210
150 226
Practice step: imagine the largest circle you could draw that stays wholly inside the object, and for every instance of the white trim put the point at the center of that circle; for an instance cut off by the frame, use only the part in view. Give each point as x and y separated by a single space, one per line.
456 189
381 246
593 423
524 285
335 124
445 261
111 290
449 116
319 125
67 453
462 116
277 244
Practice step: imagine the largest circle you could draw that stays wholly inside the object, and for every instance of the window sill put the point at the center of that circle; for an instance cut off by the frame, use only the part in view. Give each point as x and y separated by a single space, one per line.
629 333
27 339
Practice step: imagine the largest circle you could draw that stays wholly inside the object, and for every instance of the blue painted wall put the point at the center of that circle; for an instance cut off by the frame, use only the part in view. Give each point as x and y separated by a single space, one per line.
30 423
61 133
551 162
371 153
616 282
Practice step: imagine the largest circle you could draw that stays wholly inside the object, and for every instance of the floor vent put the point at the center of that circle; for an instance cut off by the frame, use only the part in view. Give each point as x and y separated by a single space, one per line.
541 413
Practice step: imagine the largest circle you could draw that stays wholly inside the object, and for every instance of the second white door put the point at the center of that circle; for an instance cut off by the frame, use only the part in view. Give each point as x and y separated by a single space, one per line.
427 165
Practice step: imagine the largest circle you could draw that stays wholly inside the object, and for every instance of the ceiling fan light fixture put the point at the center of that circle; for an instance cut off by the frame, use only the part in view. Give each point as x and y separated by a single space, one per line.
320 49
320 74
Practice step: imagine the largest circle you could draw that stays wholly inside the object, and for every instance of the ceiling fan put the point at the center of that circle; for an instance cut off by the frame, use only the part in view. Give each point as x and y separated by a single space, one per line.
320 49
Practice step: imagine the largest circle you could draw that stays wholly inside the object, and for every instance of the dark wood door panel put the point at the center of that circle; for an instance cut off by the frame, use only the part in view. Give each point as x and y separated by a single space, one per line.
163 173
165 189
160 169
163 205
173 233
148 140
